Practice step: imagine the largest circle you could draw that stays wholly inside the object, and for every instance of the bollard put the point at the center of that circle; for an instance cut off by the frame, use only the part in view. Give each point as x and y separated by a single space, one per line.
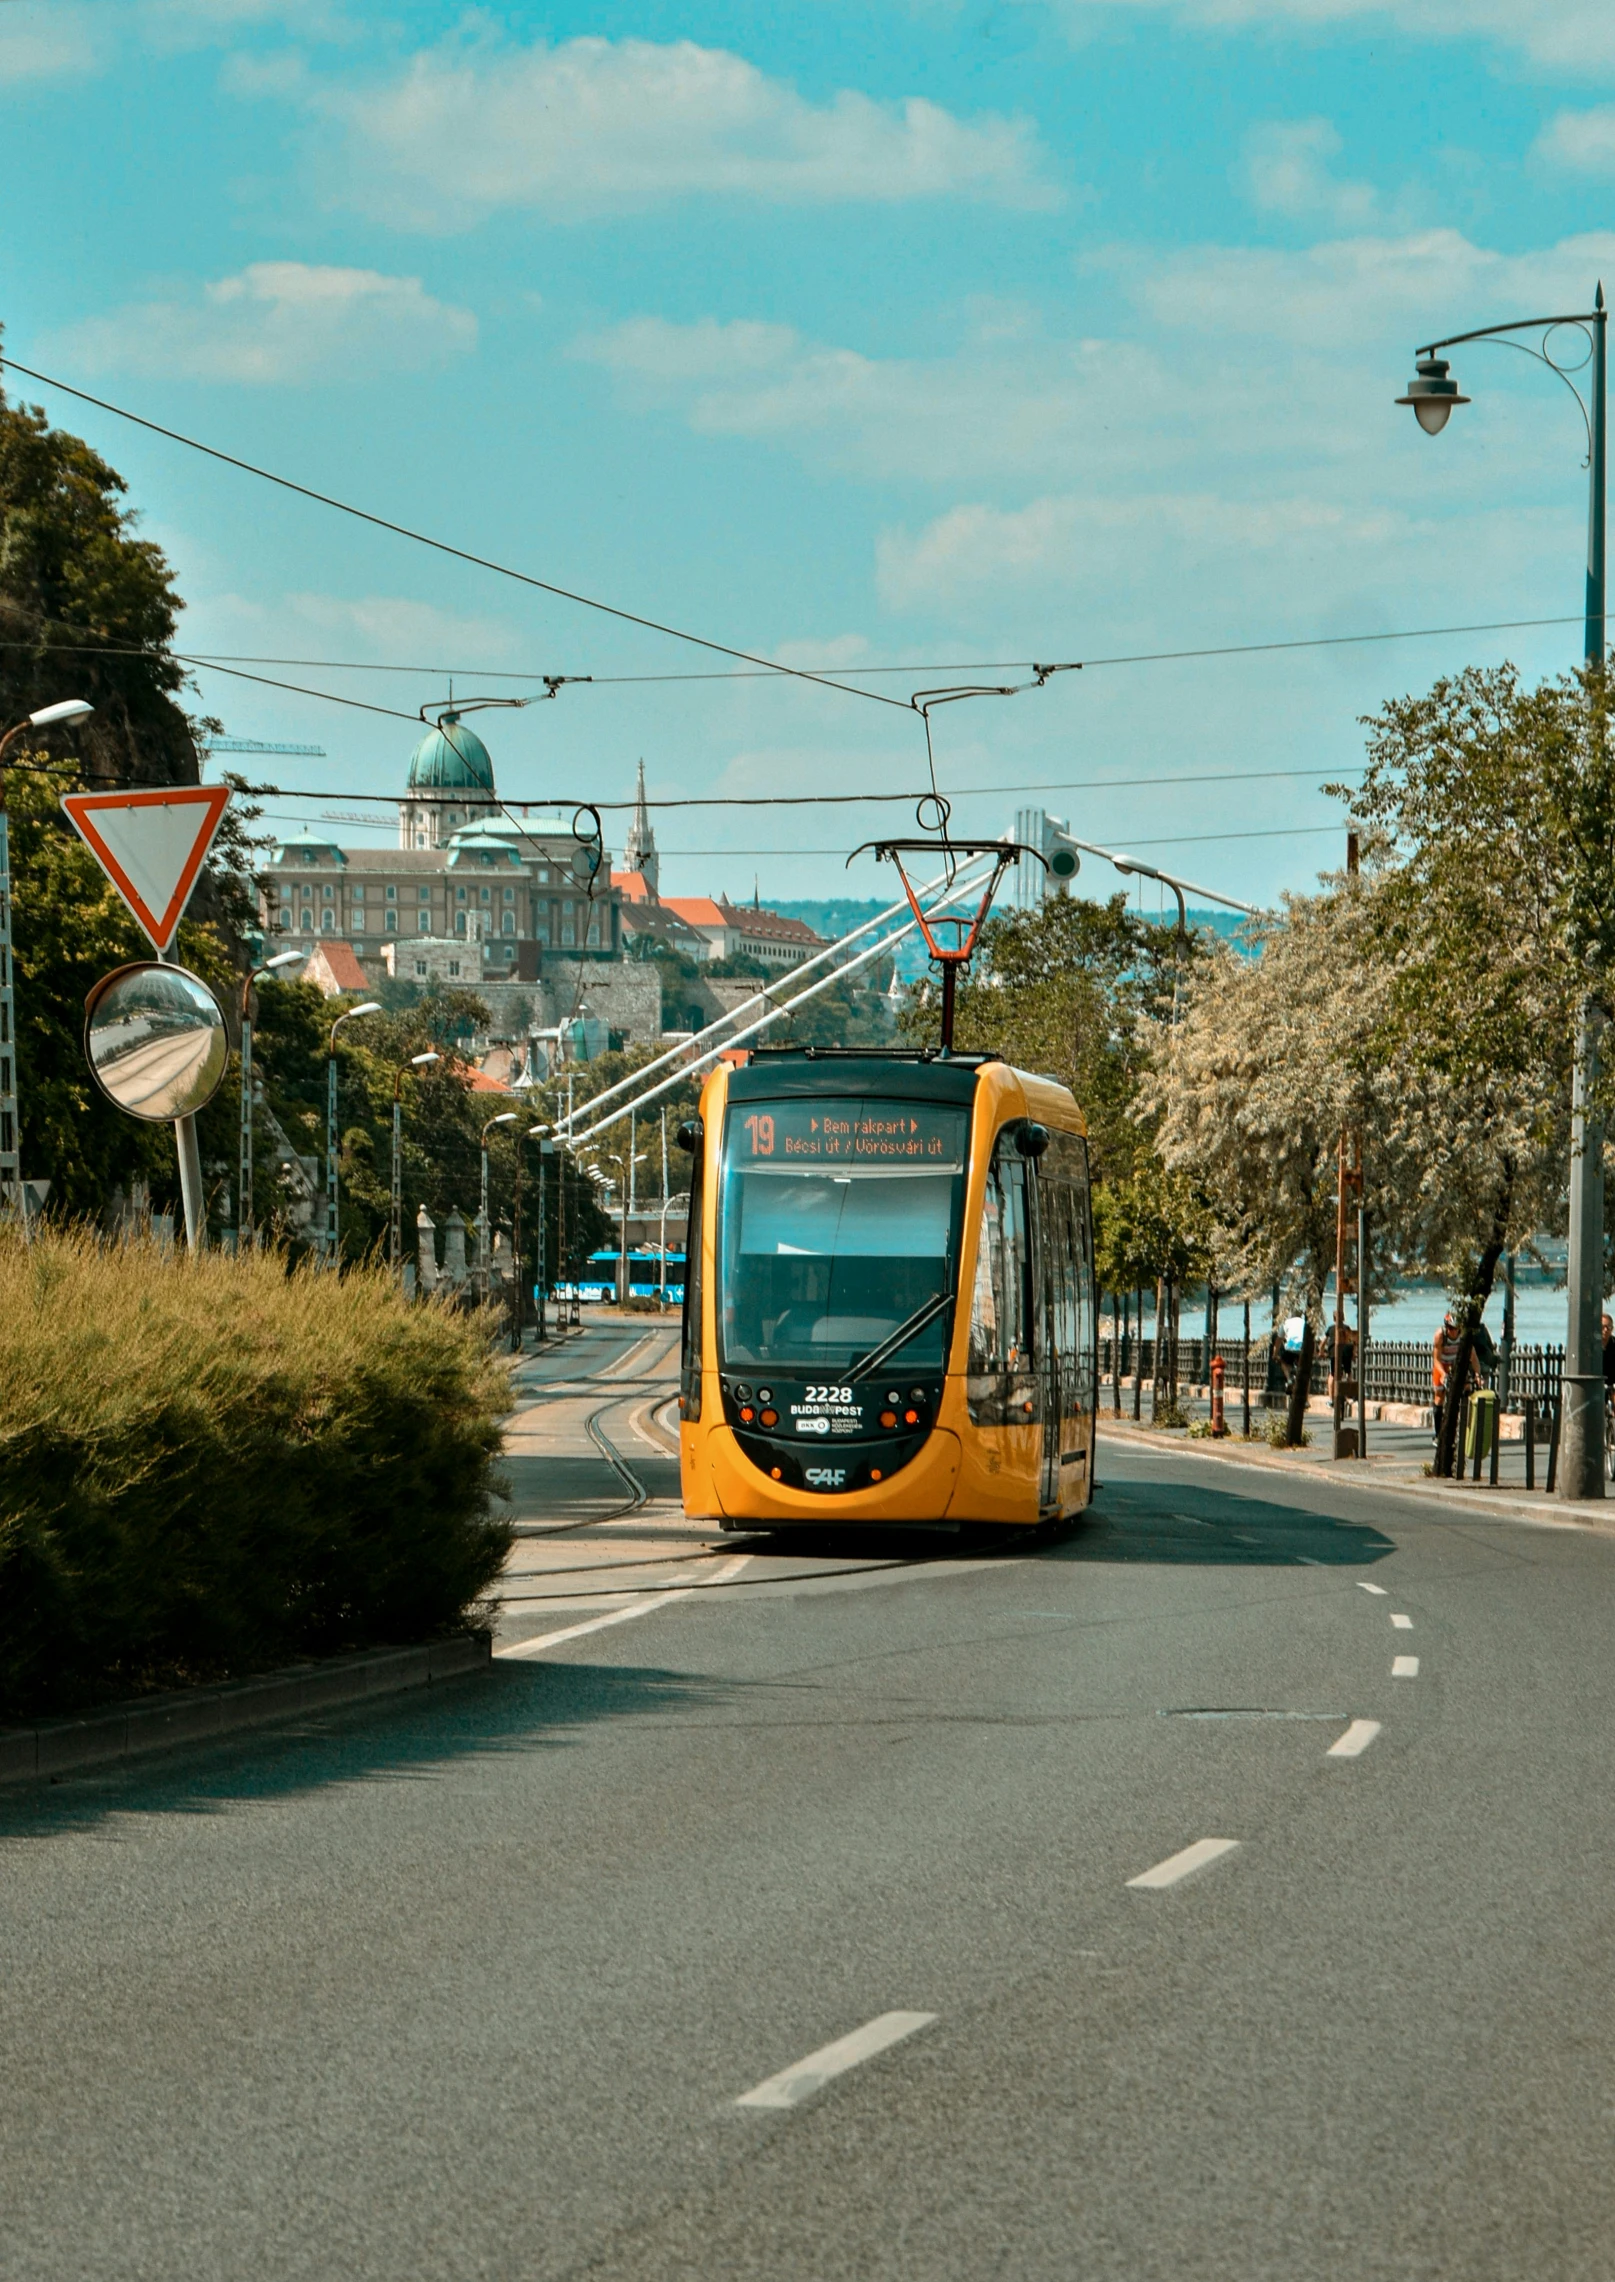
1553 1442
1530 1442
1219 1424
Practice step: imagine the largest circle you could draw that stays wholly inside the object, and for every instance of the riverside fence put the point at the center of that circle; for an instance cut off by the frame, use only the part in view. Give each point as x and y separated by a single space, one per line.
1398 1369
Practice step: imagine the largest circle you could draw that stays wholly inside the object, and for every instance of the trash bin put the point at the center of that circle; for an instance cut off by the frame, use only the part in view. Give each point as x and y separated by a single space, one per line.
1482 1424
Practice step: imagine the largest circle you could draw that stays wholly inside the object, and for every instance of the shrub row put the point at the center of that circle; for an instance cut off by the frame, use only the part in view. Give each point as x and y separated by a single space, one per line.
209 1467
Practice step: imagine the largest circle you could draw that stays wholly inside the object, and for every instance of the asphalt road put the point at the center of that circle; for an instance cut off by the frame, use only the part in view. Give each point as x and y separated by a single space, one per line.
472 1987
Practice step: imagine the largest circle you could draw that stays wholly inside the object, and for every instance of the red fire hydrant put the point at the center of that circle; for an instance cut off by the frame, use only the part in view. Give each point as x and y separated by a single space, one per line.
1219 1424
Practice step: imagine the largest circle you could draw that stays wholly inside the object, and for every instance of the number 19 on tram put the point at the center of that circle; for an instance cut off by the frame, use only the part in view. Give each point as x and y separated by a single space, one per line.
889 1311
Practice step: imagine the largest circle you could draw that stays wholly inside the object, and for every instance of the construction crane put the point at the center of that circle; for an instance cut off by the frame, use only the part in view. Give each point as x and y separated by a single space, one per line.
257 745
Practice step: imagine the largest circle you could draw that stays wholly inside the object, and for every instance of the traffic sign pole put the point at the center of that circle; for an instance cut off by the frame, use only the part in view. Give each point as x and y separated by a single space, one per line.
10 1135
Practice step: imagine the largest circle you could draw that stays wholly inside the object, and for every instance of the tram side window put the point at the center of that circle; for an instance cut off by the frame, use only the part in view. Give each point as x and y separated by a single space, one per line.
690 1320
1001 1304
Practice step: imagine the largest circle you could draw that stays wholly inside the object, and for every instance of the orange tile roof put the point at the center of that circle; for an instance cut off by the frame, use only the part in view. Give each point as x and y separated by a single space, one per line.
699 910
632 885
341 965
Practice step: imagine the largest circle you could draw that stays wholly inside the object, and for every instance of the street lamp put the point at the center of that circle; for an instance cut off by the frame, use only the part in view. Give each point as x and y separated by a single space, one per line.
505 1117
546 1149
1433 395
395 1237
370 1006
48 717
244 1183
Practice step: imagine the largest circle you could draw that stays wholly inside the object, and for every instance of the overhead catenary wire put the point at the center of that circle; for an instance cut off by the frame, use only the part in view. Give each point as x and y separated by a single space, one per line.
445 546
771 672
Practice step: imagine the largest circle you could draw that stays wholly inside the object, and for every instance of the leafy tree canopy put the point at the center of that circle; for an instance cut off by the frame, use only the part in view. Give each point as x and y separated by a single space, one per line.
87 609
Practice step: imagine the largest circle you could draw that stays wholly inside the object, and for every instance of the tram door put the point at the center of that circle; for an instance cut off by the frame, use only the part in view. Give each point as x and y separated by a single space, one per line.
1046 1345
1063 1339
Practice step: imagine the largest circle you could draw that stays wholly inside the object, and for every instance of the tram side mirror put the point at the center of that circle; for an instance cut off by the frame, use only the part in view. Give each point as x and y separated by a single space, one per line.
1032 1140
689 1135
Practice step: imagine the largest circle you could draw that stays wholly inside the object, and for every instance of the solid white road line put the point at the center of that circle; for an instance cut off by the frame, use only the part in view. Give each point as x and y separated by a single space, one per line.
1403 1623
617 1615
1177 1867
794 2085
1355 1741
1362 1588
1404 1667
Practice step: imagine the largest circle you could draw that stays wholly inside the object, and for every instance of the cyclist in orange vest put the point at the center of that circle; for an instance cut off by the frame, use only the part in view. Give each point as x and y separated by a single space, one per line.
1443 1356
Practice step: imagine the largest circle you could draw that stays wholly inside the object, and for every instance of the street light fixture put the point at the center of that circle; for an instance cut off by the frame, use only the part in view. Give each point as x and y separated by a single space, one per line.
332 1232
505 1117
244 1218
546 1150
395 1237
47 717
1432 396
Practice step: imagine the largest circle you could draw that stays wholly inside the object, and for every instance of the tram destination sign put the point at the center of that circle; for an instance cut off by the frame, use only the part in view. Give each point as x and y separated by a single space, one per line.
842 1132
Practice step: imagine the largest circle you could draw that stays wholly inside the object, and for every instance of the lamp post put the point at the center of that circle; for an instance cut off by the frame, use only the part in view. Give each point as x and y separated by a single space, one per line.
244 1222
546 1150
47 717
505 1117
332 1232
1433 394
395 1233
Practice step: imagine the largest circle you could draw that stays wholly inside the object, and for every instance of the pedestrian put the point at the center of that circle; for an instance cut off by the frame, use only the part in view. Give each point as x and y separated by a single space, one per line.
1444 1354
1606 1329
1295 1327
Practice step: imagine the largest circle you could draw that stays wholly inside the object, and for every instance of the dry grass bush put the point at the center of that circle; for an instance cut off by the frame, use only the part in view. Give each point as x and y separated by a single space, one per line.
212 1466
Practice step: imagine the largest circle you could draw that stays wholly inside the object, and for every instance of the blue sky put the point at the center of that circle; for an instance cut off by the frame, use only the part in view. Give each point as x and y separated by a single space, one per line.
923 335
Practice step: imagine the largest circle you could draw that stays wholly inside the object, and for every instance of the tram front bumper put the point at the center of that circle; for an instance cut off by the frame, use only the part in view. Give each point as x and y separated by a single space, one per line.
917 1492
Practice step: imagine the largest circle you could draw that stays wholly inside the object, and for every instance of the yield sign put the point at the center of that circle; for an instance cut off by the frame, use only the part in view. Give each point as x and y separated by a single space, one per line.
150 845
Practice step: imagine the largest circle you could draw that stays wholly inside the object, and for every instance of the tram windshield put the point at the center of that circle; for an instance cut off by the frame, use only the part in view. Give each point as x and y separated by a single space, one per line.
839 1229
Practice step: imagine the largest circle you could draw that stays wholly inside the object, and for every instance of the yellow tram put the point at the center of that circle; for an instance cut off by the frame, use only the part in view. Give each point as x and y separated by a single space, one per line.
889 1311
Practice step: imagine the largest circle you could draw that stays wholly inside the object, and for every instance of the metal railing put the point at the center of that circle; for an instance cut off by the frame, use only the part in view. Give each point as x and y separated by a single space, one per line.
1398 1369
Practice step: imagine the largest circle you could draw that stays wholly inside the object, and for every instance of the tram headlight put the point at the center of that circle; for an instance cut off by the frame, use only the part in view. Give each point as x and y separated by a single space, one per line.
771 1418
888 1418
911 1418
747 1415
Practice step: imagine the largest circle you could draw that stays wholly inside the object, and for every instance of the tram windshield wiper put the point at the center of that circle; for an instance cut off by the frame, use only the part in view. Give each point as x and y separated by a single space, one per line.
924 1314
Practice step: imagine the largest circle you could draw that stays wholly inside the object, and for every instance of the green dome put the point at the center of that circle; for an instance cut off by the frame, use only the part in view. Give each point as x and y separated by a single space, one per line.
451 758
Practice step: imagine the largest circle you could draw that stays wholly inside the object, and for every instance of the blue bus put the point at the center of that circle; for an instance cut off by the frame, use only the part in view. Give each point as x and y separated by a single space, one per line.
598 1279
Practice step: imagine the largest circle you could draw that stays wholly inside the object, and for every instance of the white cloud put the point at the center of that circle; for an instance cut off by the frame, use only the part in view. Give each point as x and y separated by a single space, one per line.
1077 541
1578 34
999 405
279 321
388 629
596 126
1286 170
1346 292
38 42
1582 141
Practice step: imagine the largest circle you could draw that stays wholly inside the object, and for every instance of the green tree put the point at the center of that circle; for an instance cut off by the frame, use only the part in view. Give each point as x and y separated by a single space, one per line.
87 608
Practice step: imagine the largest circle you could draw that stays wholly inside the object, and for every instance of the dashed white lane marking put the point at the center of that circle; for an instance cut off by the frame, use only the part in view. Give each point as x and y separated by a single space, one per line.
1306 1561
617 1615
1362 1588
794 2085
1355 1741
1404 1667
1403 1623
1177 1867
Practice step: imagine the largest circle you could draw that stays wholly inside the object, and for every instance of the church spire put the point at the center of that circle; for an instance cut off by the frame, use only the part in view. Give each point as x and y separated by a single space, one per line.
639 850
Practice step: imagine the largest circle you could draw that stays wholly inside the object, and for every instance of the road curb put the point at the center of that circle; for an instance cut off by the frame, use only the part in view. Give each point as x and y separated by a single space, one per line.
1541 1511
158 1723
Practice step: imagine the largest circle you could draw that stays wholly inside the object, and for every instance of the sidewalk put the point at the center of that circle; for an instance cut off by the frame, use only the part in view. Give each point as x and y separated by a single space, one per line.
1397 1457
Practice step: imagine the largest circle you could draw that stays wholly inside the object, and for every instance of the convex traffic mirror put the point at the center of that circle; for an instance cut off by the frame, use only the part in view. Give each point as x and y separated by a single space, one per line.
155 1039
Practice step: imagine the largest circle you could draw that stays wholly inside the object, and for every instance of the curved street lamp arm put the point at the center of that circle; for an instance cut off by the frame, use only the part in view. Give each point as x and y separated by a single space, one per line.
1520 325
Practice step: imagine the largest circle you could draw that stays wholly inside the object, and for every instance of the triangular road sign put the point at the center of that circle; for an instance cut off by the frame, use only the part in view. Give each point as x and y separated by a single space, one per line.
150 845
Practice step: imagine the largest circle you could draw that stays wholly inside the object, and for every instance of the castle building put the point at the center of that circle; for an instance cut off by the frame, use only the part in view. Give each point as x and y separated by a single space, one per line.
495 893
